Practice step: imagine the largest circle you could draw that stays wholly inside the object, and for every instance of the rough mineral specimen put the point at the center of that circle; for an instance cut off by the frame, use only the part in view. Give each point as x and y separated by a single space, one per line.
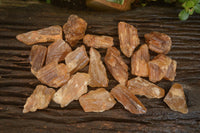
158 42
37 57
74 29
158 67
128 38
98 41
116 65
53 74
57 51
128 100
40 99
139 62
72 90
97 101
97 71
175 99
142 87
171 72
76 59
49 34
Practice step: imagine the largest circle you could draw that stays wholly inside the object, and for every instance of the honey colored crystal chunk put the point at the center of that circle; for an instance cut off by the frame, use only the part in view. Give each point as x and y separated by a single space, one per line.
49 34
158 67
128 100
116 65
37 57
57 51
72 90
40 99
53 74
97 101
74 29
142 87
158 42
76 59
98 41
171 72
128 38
97 70
175 99
139 62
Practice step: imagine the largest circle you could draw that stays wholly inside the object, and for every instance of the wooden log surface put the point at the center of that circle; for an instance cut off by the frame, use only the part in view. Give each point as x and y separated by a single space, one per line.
17 82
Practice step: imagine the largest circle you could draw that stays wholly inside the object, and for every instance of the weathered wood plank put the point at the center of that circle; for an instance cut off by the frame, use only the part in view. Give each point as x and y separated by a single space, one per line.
17 82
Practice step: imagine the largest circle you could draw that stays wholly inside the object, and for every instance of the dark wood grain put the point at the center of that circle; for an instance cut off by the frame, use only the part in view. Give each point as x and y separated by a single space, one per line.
17 82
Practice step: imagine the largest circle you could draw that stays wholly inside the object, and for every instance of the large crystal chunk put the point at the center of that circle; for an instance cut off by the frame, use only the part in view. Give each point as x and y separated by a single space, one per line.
39 99
116 65
72 90
97 101
97 71
175 99
128 38
49 34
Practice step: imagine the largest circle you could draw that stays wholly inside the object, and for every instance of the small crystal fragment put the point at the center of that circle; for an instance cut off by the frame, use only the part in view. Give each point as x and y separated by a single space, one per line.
53 74
39 99
97 71
76 59
98 41
57 51
158 42
158 67
128 100
116 65
128 38
37 57
72 90
175 99
142 87
171 72
74 29
97 101
49 34
139 62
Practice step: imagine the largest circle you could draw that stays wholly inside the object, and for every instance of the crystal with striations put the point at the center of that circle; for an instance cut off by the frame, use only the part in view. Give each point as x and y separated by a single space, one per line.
171 72
37 57
158 42
158 67
53 74
175 99
97 101
39 99
76 59
142 87
48 34
128 38
116 65
128 100
57 51
98 41
97 70
72 90
139 61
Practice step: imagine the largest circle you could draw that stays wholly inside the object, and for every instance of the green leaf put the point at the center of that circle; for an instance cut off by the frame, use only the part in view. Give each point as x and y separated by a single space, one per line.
197 8
117 1
183 15
196 1
191 11
188 4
